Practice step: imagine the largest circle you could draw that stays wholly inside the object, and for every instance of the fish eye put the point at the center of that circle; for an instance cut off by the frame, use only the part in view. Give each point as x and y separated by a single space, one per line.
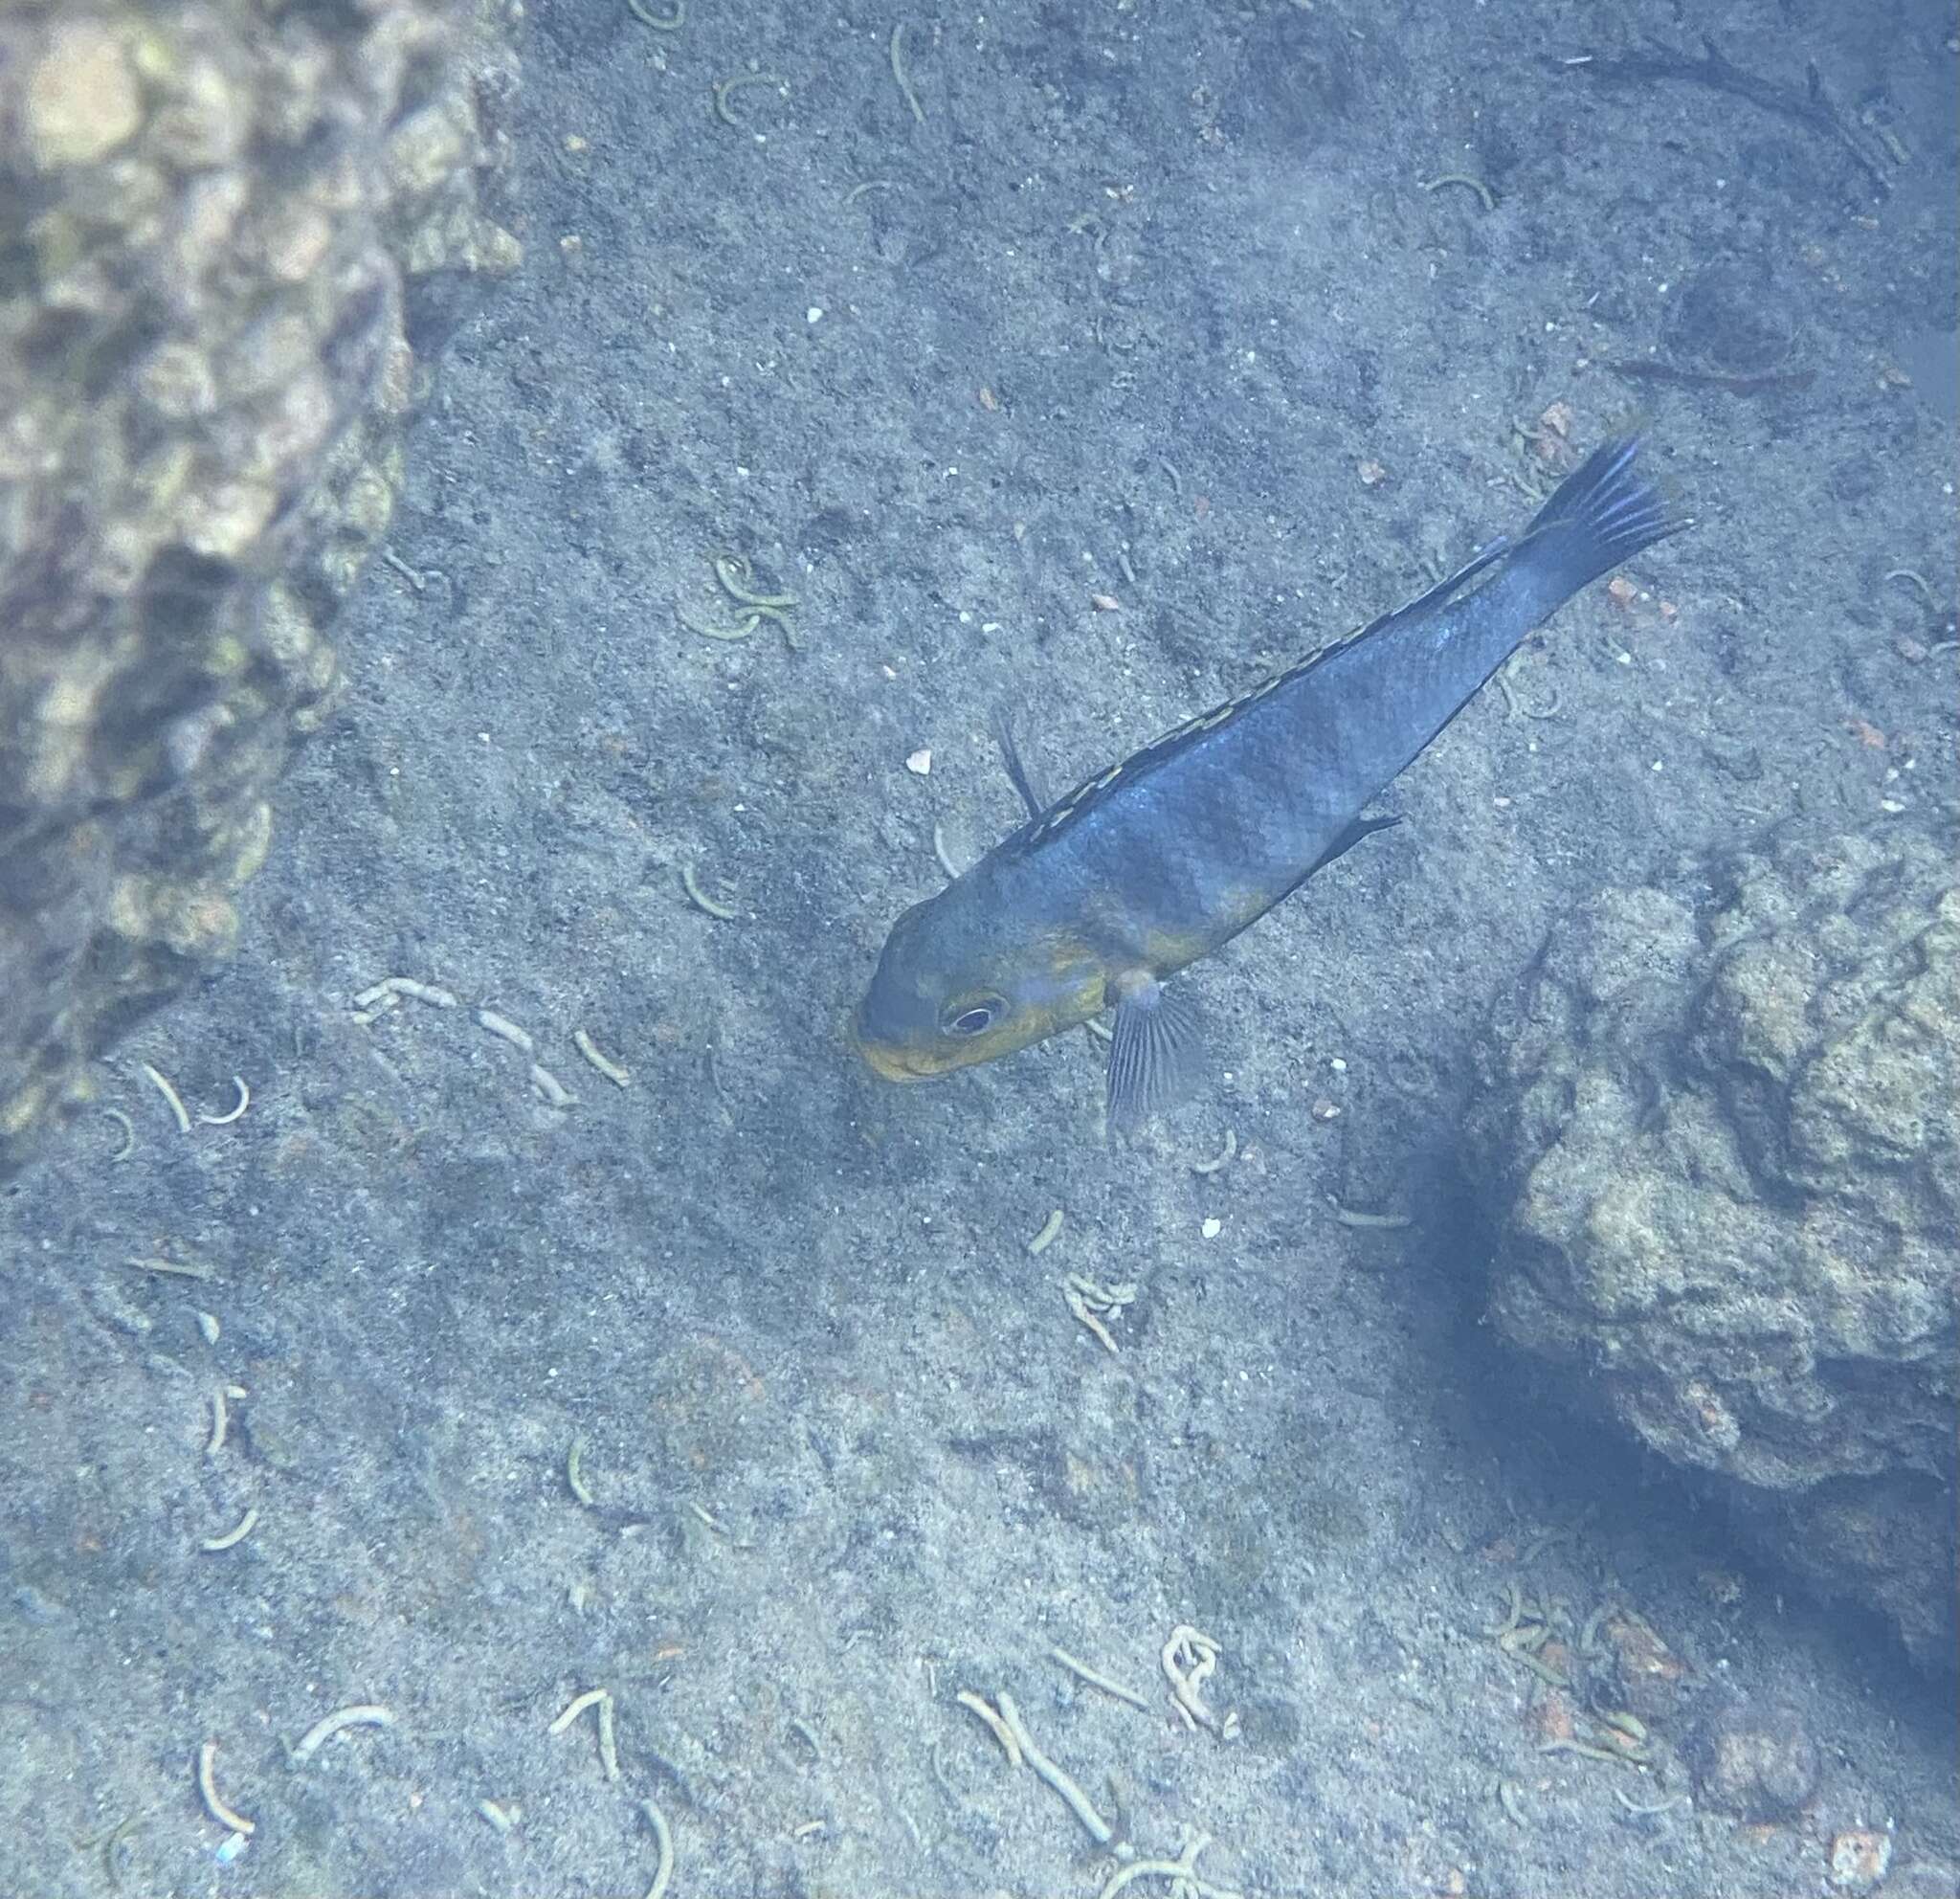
971 1018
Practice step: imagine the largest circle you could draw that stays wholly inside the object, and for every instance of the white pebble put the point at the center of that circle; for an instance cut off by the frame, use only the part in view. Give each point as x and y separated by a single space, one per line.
921 762
1213 1227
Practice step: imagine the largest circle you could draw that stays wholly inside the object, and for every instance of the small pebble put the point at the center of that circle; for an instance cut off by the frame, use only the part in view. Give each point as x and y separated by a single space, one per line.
1213 1227
921 762
1859 1858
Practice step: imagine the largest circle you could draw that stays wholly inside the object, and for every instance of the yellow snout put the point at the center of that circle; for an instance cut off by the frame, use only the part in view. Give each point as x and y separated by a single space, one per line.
890 1062
903 1062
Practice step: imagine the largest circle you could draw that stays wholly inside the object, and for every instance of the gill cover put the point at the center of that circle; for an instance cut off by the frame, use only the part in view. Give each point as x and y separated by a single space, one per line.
959 984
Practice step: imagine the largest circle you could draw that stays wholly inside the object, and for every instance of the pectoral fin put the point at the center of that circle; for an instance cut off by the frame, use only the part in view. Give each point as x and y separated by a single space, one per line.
1155 1051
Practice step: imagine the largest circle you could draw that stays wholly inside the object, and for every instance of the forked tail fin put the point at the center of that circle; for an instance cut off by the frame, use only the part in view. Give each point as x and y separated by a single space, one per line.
1601 514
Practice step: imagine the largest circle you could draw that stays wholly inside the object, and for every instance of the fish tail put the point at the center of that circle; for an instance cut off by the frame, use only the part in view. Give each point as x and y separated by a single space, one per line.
1602 514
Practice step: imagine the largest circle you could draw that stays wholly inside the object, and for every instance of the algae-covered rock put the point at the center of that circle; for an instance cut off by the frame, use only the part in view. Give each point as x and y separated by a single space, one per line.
230 232
1716 1131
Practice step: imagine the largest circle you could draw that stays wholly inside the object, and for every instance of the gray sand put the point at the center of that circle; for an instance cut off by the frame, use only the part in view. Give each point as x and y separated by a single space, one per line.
1148 284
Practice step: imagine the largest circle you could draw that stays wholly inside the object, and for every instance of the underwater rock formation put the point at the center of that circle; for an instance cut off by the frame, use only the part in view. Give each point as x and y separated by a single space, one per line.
233 233
1715 1132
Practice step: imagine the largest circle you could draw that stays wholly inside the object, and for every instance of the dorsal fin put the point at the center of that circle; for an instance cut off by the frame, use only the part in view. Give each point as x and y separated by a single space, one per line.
1051 821
1016 766
1433 596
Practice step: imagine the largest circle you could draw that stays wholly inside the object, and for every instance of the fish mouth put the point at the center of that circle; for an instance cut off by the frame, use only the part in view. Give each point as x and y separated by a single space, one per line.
889 1062
892 1060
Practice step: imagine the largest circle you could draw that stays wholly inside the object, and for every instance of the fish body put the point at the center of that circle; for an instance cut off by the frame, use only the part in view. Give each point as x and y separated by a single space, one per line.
1164 857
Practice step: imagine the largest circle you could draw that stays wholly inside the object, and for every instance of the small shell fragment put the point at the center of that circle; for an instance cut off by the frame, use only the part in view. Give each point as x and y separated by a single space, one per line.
919 763
502 1027
212 1546
317 1736
214 1802
1558 418
551 1089
235 1113
612 1070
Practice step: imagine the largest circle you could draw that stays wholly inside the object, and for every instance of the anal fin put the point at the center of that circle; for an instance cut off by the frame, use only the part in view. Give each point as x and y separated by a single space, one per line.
1362 827
1355 833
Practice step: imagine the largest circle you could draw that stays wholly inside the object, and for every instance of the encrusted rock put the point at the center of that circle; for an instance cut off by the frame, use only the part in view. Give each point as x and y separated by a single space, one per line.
1757 1763
234 229
1632 1668
1716 1131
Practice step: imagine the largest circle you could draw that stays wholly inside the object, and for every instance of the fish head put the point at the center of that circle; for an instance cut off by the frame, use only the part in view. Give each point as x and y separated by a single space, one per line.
964 978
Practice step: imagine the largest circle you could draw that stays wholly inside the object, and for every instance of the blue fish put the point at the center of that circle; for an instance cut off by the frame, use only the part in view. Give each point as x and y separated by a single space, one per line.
1100 897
